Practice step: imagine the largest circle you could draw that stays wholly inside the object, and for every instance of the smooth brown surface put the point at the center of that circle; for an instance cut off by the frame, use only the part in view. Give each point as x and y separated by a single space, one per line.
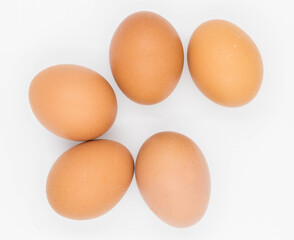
89 179
225 63
146 57
73 102
173 178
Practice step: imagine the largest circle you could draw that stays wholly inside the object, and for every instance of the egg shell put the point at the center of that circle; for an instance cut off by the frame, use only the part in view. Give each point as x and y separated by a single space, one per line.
73 102
89 179
225 63
173 178
146 57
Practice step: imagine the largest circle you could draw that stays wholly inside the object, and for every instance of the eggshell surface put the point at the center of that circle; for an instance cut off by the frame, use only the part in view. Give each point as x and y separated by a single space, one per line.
73 102
225 63
146 57
173 178
89 179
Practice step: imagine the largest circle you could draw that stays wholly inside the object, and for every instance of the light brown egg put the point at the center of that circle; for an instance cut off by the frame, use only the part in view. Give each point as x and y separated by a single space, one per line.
225 63
73 102
173 178
146 57
89 179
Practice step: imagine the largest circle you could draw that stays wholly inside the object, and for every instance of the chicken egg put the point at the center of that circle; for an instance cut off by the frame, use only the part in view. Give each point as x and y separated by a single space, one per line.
146 57
225 63
173 178
89 179
73 102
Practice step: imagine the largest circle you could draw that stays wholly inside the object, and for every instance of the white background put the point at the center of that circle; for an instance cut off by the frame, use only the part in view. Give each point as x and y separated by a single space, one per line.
249 149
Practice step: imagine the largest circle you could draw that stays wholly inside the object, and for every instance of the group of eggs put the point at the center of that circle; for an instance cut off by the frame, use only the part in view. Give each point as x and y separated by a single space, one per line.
146 59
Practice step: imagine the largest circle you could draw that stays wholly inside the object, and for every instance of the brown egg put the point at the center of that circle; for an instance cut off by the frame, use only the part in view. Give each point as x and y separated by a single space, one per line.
89 179
173 178
225 63
73 102
146 57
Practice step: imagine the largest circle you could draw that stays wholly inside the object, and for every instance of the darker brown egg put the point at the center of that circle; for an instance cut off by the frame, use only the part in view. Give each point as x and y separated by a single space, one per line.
146 57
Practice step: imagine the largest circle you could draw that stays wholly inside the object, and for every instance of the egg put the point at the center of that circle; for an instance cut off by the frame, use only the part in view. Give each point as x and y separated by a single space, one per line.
146 57
89 179
225 63
173 178
73 102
